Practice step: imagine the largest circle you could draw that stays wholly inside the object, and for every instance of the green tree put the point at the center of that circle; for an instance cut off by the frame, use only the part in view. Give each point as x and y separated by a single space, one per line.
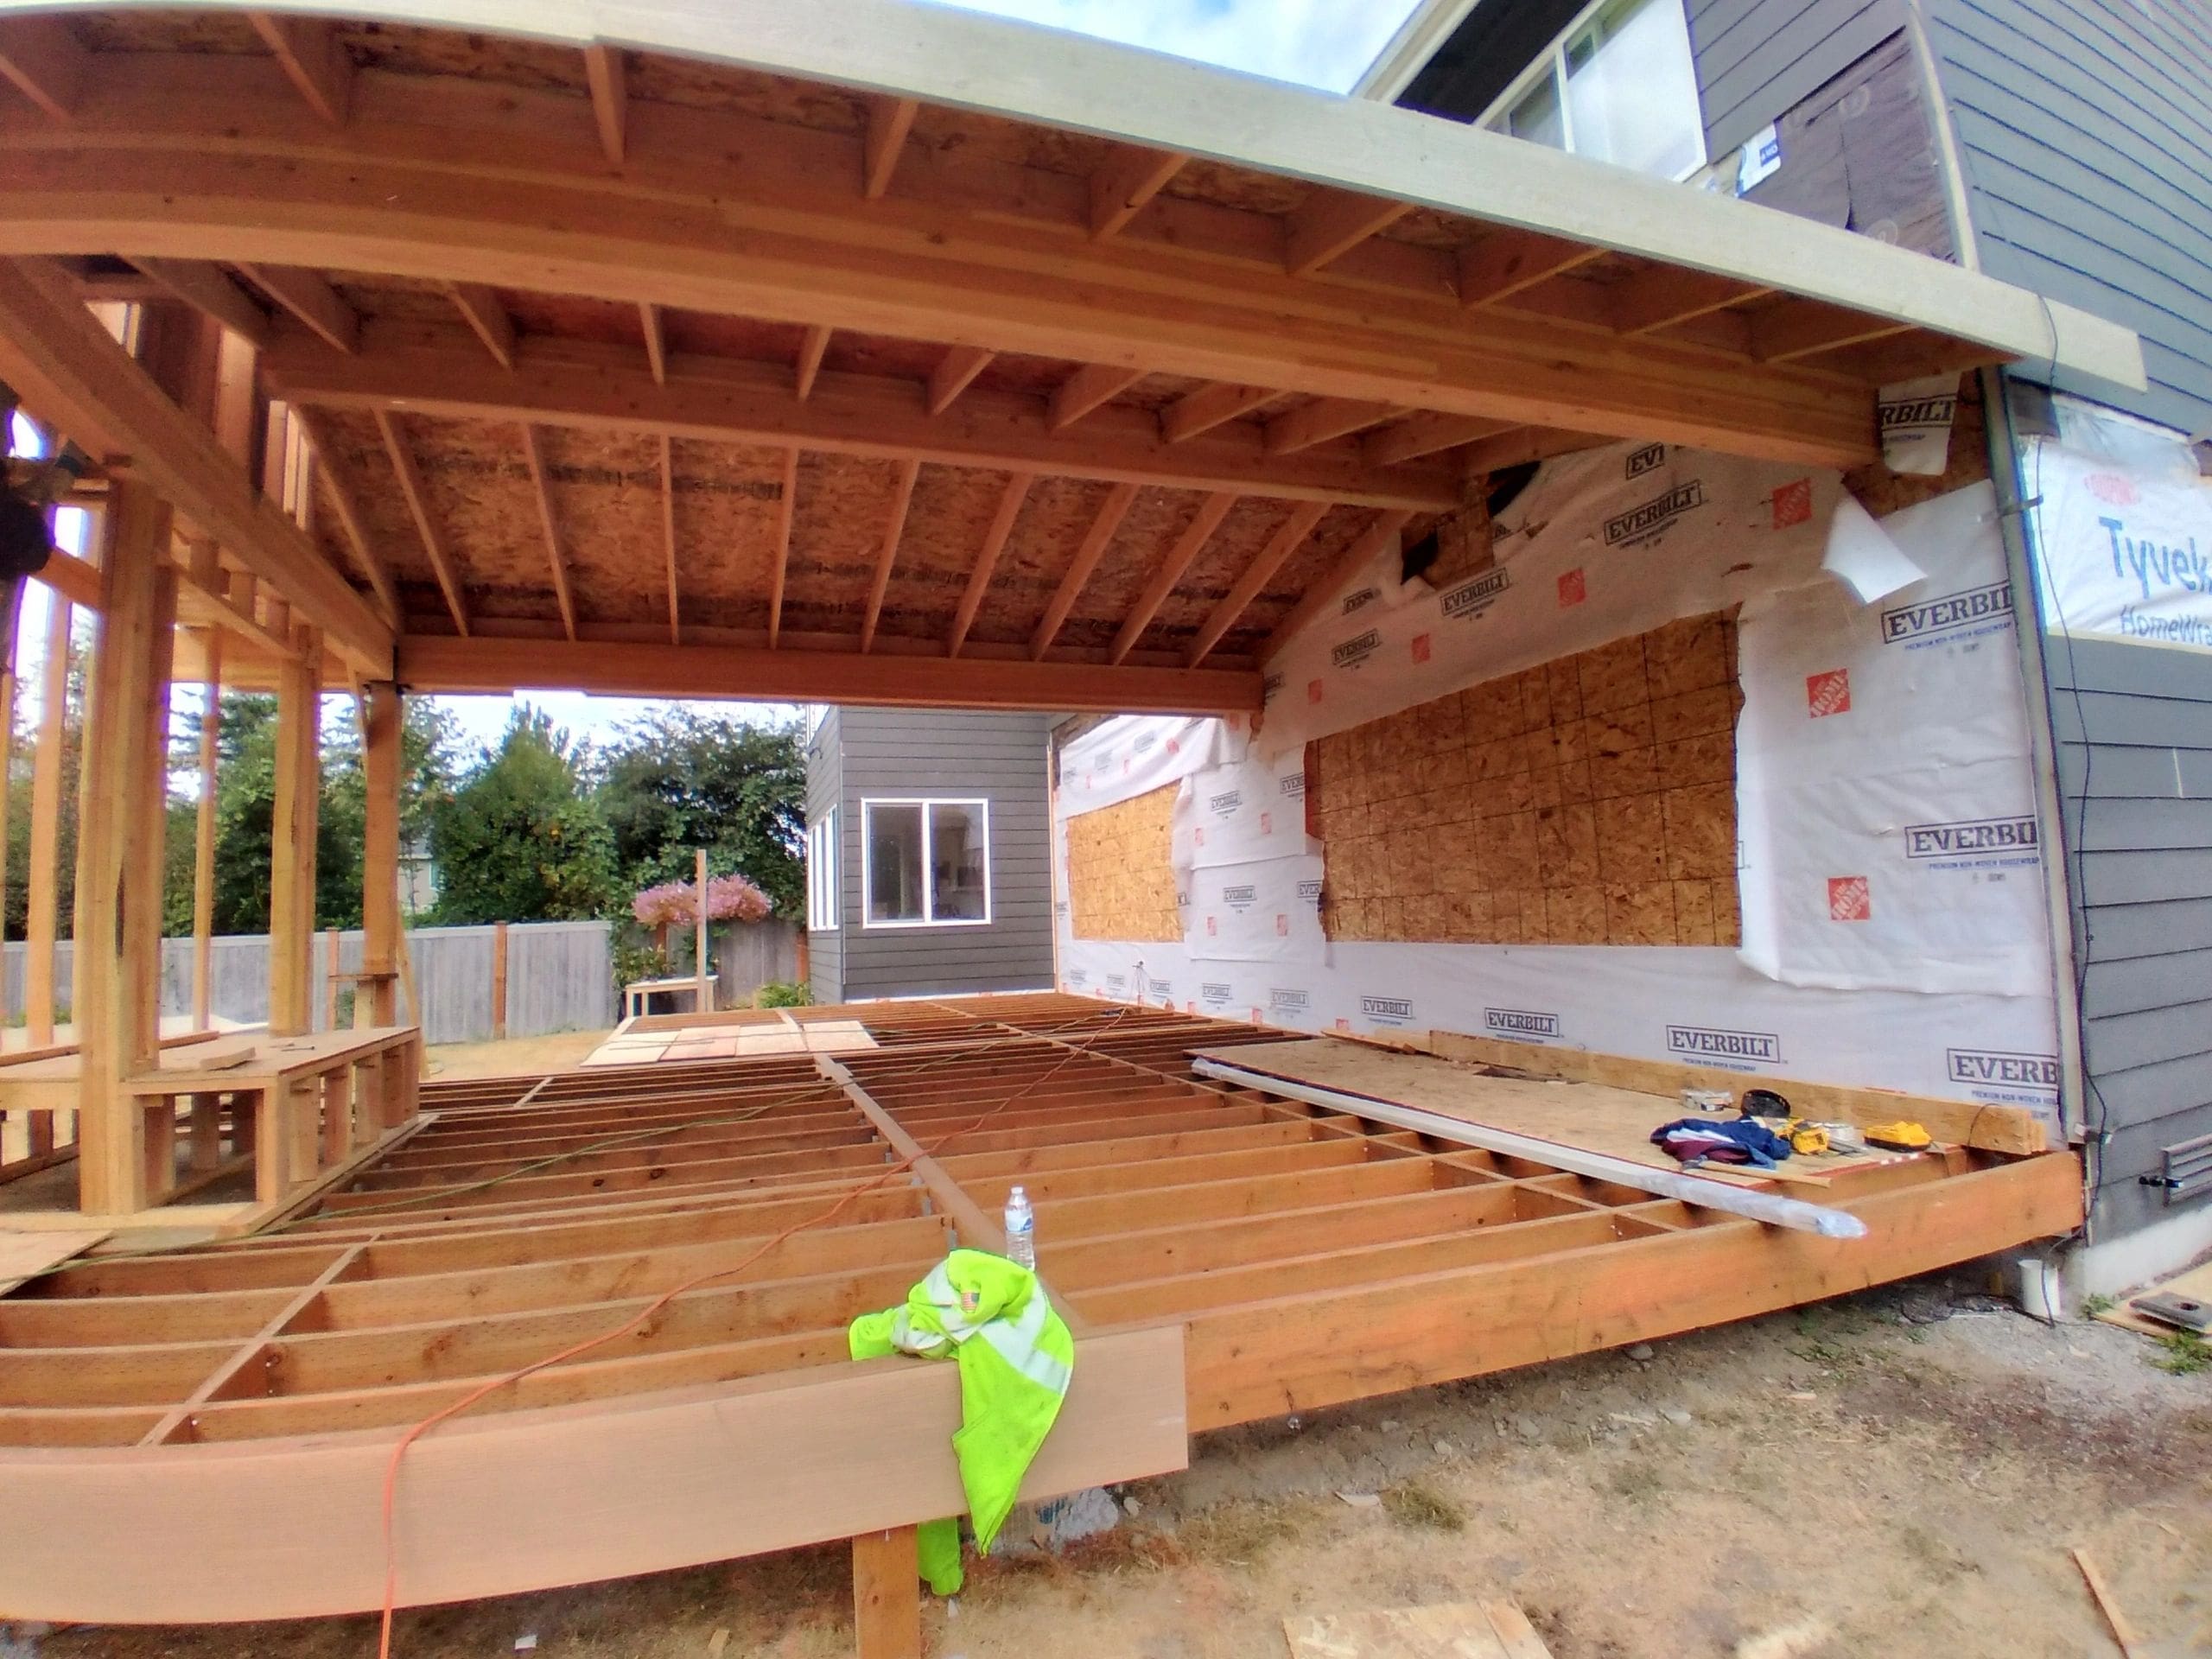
521 838
676 781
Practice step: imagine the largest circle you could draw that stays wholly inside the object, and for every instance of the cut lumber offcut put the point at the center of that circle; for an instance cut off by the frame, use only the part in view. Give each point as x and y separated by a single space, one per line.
1792 1213
2122 1631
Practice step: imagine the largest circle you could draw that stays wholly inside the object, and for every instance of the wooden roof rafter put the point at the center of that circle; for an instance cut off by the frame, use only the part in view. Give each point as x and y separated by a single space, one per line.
409 475
1181 554
668 537
895 528
1095 540
1015 492
1284 543
533 449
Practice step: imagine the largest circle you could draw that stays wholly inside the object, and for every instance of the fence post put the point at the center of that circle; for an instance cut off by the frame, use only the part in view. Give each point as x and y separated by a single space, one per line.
498 981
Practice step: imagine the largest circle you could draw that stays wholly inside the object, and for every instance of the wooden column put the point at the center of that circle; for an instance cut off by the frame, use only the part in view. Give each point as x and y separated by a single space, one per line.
11 611
203 846
699 1002
116 1002
887 1595
498 981
381 722
292 861
44 876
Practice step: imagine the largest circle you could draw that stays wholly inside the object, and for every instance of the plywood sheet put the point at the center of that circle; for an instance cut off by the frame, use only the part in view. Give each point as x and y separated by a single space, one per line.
1120 881
2196 1285
23 1254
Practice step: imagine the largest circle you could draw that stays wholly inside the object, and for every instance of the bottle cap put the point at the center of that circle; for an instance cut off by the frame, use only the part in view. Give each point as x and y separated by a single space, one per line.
1016 1193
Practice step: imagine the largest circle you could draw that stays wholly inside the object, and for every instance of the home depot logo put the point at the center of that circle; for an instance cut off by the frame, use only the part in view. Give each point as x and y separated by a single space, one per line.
1649 459
1215 995
1387 1010
1951 613
1648 520
1355 650
1851 899
1793 503
1520 1023
1989 1068
1828 693
1360 601
1573 588
1475 595
1974 837
1708 1043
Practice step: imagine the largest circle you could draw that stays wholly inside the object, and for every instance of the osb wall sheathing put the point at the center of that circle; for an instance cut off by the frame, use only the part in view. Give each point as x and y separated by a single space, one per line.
1121 885
1591 801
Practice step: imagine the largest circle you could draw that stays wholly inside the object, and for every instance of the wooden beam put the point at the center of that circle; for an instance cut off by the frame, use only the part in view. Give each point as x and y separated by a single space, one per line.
42 880
418 508
1331 223
1507 263
1323 419
1209 406
312 301
121 816
987 558
605 74
309 52
605 389
1387 530
1179 558
649 317
955 371
780 556
439 663
41 58
1270 559
1426 434
1667 296
203 842
533 449
668 535
808 366
481 306
208 289
345 491
69 371
1085 390
292 847
889 120
1095 541
894 527
1124 183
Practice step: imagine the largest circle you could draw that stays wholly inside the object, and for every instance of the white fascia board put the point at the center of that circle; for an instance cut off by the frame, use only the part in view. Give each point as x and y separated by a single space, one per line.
967 61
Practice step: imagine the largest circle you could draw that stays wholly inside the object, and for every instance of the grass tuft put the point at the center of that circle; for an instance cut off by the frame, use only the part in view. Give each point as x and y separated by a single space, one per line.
1416 1503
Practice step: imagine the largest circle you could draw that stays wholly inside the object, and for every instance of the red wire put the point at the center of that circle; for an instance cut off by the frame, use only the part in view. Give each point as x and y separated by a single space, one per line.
414 1434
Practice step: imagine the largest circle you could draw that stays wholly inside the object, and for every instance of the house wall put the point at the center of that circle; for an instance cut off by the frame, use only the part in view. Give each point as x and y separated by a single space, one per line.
1756 59
824 789
884 752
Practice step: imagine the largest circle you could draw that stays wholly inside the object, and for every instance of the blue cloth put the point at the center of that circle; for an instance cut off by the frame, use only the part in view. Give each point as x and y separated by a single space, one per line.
1724 1140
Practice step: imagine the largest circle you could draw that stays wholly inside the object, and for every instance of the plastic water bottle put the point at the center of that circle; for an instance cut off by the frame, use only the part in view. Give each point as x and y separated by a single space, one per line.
1020 1230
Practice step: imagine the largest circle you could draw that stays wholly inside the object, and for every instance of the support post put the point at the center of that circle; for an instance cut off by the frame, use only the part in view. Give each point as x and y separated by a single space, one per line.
291 864
203 845
887 1595
699 1002
118 913
499 981
44 876
382 722
11 611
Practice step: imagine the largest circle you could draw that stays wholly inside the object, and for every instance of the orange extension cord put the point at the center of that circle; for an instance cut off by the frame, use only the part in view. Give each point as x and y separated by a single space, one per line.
891 1172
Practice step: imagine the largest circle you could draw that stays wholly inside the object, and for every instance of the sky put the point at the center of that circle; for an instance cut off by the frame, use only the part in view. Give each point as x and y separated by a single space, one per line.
1324 43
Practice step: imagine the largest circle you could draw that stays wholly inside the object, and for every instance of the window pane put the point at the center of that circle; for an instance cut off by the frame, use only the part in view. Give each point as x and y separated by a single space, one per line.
1631 90
958 855
1536 116
894 863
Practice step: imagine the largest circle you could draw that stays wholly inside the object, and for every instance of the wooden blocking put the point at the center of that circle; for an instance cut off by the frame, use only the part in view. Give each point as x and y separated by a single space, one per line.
258 1119
299 1115
207 1132
158 1147
887 1595
369 1099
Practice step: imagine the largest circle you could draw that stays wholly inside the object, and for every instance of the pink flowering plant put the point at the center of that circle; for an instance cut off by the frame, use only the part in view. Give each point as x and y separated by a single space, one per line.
675 904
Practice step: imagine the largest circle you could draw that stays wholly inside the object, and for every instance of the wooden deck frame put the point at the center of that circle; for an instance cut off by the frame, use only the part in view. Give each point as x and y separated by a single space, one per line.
1289 1257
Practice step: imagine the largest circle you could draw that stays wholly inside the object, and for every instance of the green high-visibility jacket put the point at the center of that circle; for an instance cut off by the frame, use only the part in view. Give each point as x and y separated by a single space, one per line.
1015 1357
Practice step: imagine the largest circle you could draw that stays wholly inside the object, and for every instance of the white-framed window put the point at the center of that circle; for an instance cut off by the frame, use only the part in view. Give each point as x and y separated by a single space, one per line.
822 874
926 862
1619 85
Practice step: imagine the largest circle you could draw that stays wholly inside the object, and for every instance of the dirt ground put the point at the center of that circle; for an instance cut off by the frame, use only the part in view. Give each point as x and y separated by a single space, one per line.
1897 1474
554 1053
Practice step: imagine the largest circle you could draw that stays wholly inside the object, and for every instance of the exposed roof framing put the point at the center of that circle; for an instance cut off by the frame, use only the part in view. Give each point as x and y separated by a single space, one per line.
866 233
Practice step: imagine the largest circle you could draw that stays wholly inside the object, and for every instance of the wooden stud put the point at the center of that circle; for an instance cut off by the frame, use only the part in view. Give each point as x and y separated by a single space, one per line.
1323 419
42 879
1085 390
953 374
116 998
1387 530
1124 184
895 528
889 120
887 1594
346 497
1426 434
809 365
41 58
987 558
649 317
1270 558
605 74
418 508
209 289
499 981
479 305
533 448
292 851
1507 263
1178 560
1095 541
203 846
1200 411
308 51
668 535
1329 223
381 725
700 926
312 301
780 558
